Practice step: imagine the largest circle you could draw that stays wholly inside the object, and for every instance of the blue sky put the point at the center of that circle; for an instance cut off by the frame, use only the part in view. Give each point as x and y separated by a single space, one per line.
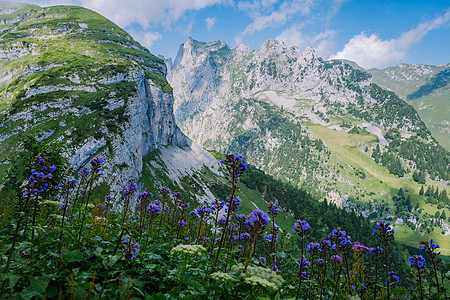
372 33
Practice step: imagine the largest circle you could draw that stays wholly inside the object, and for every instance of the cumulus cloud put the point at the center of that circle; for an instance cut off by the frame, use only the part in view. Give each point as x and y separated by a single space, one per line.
139 16
147 12
322 42
142 12
370 51
210 23
264 14
147 39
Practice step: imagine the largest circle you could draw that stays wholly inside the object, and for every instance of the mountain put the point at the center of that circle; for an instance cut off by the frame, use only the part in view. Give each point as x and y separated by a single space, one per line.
321 125
71 76
425 87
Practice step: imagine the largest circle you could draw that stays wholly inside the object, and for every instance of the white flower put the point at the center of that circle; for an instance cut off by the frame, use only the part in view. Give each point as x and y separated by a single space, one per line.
222 276
188 249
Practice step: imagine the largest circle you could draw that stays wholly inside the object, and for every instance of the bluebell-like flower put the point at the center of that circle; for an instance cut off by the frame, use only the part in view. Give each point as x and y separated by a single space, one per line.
84 172
315 247
393 277
145 195
417 261
154 208
336 258
301 226
257 216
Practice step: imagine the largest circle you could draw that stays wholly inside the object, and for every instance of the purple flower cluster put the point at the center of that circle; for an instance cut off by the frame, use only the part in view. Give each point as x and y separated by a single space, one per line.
257 218
376 251
340 238
303 265
145 195
357 246
96 165
132 248
234 164
393 277
301 227
417 261
202 211
314 247
130 189
273 209
336 258
383 227
154 208
38 177
216 204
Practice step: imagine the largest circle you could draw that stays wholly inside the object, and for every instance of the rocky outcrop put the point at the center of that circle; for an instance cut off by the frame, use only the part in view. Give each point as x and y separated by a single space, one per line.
106 96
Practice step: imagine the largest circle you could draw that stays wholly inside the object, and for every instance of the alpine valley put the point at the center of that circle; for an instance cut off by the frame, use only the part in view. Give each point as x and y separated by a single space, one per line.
324 126
325 141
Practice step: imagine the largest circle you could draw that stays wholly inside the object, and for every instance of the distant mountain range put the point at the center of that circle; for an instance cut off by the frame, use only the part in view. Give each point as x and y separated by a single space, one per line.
71 76
325 126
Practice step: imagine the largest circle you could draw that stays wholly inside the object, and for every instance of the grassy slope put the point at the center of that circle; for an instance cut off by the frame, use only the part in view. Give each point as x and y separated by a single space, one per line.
346 150
434 111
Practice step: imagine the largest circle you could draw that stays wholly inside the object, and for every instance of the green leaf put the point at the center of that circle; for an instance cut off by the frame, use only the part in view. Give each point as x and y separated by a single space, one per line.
39 284
399 291
13 280
73 256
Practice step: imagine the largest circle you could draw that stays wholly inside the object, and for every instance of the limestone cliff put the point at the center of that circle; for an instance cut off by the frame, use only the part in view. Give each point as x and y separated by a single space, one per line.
69 75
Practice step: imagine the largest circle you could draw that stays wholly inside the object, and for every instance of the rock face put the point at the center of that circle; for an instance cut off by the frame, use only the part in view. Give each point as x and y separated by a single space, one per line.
283 109
69 75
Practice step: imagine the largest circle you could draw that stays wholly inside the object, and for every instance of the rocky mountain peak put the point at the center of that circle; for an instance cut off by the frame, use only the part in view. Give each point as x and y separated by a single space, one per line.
309 54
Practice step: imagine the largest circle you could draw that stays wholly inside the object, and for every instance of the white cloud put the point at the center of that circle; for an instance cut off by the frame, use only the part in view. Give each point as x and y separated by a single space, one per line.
146 39
322 42
210 23
142 12
146 12
370 51
264 14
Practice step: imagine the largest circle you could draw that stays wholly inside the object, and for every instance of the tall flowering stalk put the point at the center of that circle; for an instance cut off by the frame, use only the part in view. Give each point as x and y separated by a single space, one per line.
67 188
273 237
385 234
235 167
143 198
217 206
36 184
128 193
430 247
325 247
203 212
342 244
164 194
95 171
180 205
418 263
153 210
377 253
358 269
256 222
38 180
303 229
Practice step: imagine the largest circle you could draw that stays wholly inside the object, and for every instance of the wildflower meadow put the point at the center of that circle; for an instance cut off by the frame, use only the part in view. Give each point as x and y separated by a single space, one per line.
155 245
